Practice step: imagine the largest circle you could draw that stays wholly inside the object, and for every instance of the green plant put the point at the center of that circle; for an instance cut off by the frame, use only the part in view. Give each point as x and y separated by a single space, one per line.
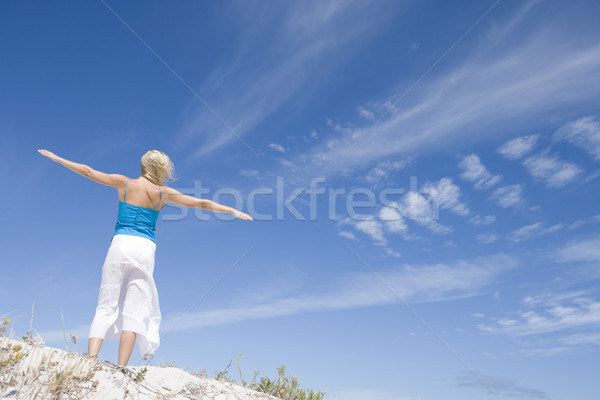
201 373
244 383
45 377
286 388
165 364
141 374
222 375
5 323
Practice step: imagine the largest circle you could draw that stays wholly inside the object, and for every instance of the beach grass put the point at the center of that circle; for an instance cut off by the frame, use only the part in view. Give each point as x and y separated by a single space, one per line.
38 375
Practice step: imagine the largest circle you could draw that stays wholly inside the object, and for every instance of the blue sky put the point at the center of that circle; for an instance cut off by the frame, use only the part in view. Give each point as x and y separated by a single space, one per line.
475 276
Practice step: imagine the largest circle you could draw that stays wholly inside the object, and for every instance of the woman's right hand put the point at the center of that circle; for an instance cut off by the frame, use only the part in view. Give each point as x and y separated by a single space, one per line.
49 154
241 215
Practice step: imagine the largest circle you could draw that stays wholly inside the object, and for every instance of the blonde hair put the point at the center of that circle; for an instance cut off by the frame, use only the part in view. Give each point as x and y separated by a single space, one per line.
157 167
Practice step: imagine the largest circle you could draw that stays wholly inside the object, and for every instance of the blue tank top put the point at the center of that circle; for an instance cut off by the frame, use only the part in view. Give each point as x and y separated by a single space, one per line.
136 220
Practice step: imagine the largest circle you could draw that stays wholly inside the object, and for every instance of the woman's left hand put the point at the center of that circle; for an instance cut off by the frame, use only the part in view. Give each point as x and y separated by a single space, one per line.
49 154
241 215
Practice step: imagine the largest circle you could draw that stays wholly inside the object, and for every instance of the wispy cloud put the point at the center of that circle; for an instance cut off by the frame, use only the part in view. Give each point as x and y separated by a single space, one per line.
414 283
474 171
532 230
505 386
585 221
422 208
363 112
486 238
552 170
584 132
419 209
373 228
306 43
509 196
448 195
277 147
347 235
517 148
549 313
393 220
542 72
582 339
580 250
382 171
548 351
482 220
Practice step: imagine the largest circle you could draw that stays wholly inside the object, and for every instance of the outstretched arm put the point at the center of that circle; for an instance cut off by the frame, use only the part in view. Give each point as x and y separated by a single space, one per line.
115 180
176 197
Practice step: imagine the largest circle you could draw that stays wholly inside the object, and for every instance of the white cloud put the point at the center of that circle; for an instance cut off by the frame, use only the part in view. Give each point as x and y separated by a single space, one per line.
277 147
415 283
541 72
552 298
506 386
583 338
363 112
517 148
390 221
393 220
245 89
532 230
391 252
475 171
549 168
584 132
580 250
545 352
368 225
416 208
347 235
339 128
373 228
550 314
486 238
447 195
550 319
285 162
382 171
421 208
589 220
510 195
482 220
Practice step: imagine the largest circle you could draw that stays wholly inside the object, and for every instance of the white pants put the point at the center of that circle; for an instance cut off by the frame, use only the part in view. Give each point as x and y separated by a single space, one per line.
128 299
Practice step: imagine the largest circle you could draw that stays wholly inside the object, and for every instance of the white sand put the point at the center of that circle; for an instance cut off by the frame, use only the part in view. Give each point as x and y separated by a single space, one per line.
50 373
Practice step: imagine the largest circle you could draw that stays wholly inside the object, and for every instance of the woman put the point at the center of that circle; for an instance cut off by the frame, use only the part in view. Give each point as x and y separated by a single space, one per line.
128 300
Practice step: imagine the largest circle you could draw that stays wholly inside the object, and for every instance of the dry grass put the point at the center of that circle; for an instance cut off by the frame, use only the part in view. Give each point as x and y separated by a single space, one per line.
31 371
27 373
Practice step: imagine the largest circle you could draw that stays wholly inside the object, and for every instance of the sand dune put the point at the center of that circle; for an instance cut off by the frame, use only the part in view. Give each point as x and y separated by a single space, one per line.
36 371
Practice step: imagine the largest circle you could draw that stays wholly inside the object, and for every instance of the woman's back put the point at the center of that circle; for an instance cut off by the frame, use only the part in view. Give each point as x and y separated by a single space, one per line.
138 216
142 193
